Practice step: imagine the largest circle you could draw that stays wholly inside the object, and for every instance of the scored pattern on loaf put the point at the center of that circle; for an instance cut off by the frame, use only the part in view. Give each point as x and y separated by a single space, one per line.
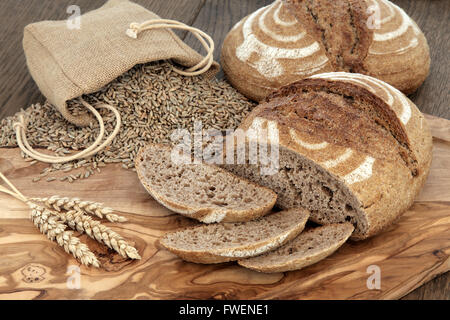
263 130
276 17
394 98
387 38
268 63
307 145
337 161
362 172
291 40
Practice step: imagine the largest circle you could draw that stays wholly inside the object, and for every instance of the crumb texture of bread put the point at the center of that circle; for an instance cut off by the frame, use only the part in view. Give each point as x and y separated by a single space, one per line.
199 190
309 247
222 242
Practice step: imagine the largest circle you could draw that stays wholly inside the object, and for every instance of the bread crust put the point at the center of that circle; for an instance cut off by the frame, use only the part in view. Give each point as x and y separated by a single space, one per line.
205 214
395 50
340 26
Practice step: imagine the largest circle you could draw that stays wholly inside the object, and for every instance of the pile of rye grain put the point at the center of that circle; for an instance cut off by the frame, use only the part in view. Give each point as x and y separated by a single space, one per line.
153 101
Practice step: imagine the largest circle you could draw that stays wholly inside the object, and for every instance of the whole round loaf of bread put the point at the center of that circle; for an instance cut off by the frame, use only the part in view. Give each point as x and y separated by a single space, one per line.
351 148
292 39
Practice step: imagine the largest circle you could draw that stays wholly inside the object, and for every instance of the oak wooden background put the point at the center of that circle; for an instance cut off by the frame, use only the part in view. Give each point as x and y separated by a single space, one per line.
216 17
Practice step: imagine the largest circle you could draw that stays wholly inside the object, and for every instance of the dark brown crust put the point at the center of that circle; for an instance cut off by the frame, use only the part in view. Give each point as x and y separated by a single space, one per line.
384 121
254 90
340 26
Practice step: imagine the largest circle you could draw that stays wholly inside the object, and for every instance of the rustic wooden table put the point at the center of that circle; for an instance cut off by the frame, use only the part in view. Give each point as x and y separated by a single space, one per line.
216 17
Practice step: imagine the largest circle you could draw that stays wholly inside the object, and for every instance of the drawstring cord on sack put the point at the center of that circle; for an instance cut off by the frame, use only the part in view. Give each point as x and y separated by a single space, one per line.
20 128
133 31
199 68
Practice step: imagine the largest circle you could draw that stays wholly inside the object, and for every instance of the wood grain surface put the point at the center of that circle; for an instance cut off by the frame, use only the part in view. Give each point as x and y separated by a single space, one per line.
408 254
18 90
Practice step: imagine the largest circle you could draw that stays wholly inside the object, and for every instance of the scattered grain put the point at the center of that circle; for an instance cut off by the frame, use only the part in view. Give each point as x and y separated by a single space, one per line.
153 101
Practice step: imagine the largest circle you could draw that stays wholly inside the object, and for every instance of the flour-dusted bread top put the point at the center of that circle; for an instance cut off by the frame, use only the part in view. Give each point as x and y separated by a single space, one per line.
361 130
292 39
221 242
199 190
399 52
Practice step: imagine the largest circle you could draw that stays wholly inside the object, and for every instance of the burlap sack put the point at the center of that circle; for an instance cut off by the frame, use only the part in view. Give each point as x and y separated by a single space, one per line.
67 63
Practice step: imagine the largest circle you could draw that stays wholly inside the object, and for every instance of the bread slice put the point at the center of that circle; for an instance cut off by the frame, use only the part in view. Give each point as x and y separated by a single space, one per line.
201 191
216 243
308 248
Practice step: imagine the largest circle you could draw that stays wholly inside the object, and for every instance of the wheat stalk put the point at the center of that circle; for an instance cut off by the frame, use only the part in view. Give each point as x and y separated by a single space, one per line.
49 224
52 221
59 203
81 222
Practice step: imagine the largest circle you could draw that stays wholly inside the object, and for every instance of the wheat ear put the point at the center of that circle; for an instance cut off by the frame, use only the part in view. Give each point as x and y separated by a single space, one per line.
59 203
81 222
51 221
51 225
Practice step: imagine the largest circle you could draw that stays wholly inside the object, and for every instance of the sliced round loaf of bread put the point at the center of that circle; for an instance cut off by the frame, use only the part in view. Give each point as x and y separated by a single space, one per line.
216 243
199 190
293 39
309 247
351 148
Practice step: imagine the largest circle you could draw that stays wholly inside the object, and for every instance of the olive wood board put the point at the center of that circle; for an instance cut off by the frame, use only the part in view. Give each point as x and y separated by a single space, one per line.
408 254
